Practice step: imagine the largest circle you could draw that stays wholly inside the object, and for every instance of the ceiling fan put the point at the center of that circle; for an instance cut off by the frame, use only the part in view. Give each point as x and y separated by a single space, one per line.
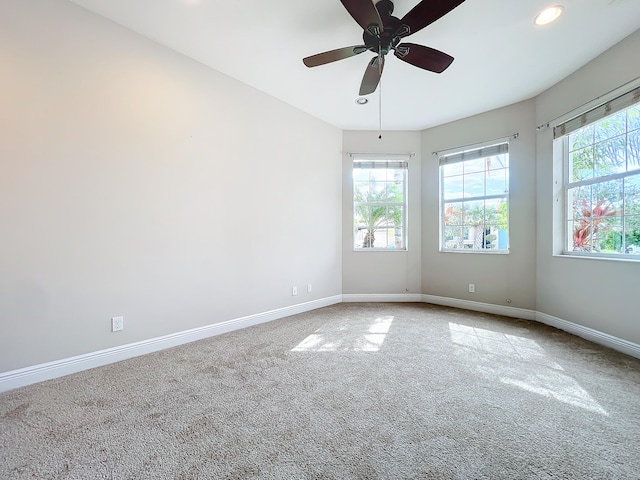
384 32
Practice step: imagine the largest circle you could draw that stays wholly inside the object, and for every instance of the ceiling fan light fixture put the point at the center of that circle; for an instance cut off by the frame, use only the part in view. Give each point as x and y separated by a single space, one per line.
549 15
362 100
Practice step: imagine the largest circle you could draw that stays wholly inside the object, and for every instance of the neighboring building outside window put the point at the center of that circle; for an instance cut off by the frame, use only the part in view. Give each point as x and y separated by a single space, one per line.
379 204
600 152
474 199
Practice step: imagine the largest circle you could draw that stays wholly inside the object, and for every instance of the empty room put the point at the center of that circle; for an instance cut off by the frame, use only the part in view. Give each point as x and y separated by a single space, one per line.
319 240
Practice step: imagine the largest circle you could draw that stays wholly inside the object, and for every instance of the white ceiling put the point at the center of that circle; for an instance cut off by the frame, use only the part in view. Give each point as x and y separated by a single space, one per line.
501 57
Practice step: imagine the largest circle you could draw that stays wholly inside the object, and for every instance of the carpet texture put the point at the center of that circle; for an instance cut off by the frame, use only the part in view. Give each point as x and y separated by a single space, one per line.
352 391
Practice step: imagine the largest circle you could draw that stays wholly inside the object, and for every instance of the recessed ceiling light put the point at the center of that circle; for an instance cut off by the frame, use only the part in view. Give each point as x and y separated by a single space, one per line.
549 14
362 101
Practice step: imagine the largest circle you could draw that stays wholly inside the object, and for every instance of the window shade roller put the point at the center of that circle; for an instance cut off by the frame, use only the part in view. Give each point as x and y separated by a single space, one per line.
488 151
597 113
379 164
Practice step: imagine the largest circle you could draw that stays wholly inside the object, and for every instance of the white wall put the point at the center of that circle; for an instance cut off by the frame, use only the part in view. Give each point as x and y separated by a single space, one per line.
497 277
598 294
392 272
136 182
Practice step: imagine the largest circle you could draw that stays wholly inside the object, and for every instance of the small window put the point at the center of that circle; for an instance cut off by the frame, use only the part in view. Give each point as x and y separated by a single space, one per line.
474 199
601 165
379 205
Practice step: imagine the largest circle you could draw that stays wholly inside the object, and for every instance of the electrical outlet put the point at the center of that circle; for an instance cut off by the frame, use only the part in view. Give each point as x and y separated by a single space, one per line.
308 288
117 324
472 288
294 291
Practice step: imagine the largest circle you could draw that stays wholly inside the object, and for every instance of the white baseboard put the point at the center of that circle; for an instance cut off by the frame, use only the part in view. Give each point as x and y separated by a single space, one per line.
481 307
46 371
590 334
379 297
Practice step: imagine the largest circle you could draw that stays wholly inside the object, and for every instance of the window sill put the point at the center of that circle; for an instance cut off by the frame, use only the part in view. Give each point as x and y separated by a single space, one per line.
470 250
373 249
602 256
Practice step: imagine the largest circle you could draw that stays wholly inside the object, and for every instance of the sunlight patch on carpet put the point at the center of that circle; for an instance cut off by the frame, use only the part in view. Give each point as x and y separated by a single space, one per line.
548 379
347 337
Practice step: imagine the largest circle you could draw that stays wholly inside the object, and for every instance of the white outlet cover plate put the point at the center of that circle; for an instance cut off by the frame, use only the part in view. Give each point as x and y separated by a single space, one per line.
117 324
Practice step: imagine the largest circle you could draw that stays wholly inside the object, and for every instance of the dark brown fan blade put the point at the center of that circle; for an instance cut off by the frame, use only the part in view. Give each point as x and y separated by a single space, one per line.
333 55
365 13
423 57
425 13
371 76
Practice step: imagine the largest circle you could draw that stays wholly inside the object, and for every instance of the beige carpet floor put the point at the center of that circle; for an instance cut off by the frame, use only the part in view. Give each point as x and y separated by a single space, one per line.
352 391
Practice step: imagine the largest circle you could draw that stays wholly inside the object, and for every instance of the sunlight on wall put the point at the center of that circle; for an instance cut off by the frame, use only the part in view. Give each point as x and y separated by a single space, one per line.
347 337
505 364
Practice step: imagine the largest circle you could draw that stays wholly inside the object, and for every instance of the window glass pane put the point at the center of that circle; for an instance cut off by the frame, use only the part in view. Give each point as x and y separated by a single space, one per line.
611 126
453 214
581 164
503 237
579 202
495 211
580 214
360 175
497 182
474 166
452 169
378 174
605 214
607 234
632 195
396 220
633 151
632 234
361 190
453 237
395 188
476 237
497 162
608 198
452 187
473 213
633 118
581 138
474 185
491 237
582 235
610 156
378 188
571 237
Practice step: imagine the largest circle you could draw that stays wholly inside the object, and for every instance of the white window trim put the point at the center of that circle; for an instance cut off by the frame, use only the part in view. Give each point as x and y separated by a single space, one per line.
561 167
391 158
461 154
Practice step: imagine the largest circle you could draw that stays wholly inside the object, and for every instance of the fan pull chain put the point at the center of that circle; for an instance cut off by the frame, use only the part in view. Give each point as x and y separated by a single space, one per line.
380 95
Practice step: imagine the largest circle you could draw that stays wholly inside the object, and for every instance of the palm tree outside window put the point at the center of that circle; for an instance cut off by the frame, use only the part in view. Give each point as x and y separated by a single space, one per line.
379 204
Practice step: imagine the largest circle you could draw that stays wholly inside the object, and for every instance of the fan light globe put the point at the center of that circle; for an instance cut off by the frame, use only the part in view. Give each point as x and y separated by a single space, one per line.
549 14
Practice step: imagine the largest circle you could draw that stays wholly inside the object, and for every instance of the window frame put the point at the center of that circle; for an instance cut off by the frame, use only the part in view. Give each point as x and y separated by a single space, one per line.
380 161
602 108
462 155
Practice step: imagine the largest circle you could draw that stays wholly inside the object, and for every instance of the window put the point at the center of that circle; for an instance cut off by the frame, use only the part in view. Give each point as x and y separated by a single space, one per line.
379 204
474 199
601 186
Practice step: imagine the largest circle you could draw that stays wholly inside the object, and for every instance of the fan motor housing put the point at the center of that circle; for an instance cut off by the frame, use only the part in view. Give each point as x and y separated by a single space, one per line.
387 40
